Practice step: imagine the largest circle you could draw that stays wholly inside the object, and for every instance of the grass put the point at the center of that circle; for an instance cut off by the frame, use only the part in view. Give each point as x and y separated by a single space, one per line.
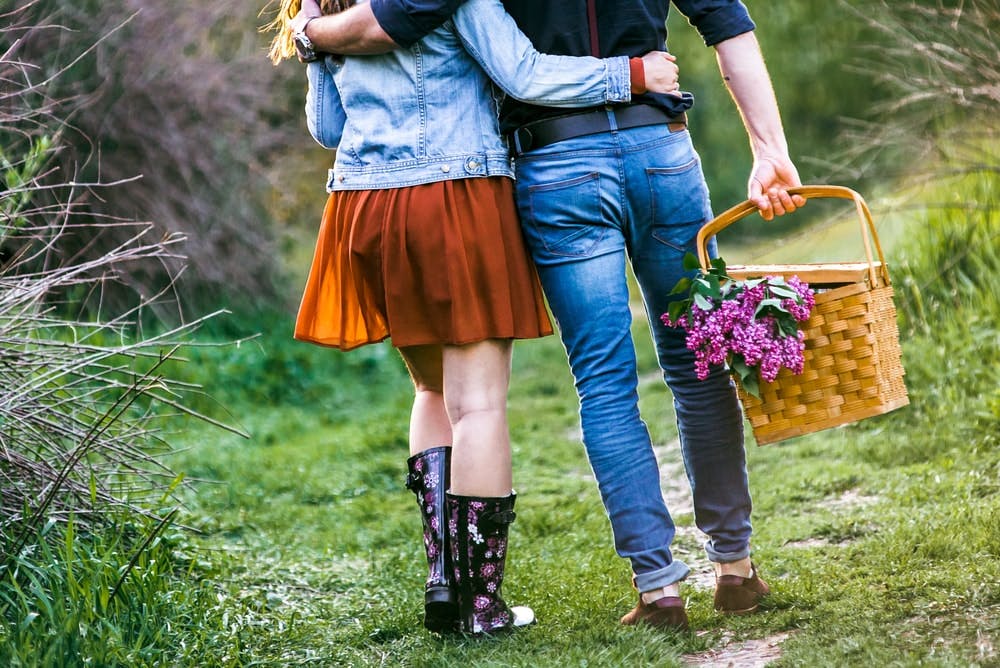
881 540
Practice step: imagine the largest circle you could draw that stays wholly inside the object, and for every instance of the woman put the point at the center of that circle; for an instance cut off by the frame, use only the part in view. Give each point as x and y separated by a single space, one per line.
420 242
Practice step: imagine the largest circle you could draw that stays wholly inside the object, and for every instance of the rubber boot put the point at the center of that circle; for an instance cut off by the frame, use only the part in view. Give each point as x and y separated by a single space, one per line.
477 531
429 473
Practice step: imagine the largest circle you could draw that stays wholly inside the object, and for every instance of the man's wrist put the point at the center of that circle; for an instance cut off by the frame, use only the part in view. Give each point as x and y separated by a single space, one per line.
305 27
304 46
307 13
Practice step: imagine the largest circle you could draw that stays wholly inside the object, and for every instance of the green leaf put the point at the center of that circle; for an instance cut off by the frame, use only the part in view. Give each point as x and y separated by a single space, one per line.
719 265
676 309
746 374
714 287
751 385
787 327
701 302
783 291
691 262
771 305
683 285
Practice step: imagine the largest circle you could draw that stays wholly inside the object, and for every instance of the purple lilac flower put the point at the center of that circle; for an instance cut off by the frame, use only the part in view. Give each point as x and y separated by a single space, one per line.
730 329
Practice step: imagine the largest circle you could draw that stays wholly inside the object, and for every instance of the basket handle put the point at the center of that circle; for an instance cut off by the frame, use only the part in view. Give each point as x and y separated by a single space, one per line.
868 233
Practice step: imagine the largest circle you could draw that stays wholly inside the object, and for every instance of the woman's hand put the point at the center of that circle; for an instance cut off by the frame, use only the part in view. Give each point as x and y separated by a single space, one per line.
661 72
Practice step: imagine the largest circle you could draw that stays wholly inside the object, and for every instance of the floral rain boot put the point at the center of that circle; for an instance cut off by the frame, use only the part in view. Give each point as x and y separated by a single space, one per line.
477 531
428 476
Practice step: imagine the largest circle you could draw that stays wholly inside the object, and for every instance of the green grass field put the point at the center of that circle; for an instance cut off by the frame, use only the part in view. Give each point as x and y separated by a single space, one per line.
881 540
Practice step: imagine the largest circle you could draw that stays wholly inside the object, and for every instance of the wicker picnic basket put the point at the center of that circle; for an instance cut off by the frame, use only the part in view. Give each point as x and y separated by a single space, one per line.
852 358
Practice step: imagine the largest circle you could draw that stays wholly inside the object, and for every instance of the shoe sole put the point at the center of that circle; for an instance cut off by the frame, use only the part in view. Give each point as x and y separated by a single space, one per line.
744 611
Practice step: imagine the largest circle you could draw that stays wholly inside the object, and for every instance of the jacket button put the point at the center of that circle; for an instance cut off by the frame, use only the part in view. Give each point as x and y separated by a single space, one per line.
445 168
473 164
341 178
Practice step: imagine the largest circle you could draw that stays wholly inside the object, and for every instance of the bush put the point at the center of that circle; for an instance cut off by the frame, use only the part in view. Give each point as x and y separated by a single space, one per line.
176 104
84 495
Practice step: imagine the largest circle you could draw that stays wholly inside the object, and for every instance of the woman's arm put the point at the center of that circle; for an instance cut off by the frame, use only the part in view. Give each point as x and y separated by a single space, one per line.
492 37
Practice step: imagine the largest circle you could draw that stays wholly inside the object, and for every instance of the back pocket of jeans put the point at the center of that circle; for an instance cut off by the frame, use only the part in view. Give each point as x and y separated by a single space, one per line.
678 202
564 217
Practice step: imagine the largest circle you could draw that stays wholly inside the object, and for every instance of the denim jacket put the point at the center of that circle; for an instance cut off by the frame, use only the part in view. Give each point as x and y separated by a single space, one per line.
430 112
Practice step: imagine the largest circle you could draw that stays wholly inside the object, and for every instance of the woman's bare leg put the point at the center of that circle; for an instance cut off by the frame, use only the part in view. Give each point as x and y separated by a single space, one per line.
476 378
429 424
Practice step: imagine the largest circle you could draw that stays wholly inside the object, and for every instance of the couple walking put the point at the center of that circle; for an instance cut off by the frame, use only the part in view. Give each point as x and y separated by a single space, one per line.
426 239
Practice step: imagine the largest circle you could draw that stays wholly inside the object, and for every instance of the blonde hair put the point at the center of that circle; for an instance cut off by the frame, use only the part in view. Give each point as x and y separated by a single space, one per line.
282 45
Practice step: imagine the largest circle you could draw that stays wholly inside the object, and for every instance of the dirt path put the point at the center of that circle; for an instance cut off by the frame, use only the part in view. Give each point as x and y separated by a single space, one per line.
754 653
747 654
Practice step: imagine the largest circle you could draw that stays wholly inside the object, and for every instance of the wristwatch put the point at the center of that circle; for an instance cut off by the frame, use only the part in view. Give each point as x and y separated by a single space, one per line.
303 45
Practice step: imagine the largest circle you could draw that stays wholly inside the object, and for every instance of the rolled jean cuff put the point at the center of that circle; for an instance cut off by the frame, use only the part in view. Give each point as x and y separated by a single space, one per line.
675 572
725 557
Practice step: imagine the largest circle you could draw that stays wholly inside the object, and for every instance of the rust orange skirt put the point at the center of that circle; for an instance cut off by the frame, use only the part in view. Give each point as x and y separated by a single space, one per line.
440 263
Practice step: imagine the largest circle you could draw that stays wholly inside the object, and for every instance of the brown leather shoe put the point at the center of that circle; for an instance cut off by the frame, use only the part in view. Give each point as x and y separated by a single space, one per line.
663 613
735 595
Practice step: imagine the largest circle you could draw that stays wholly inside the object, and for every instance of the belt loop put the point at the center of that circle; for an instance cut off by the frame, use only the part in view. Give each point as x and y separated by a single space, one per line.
520 148
612 118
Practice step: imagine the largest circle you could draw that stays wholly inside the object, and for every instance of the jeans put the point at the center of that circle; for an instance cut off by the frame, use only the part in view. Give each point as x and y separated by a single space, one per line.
585 204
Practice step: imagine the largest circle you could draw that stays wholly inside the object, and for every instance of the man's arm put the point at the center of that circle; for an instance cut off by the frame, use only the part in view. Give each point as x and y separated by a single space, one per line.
374 27
743 69
354 31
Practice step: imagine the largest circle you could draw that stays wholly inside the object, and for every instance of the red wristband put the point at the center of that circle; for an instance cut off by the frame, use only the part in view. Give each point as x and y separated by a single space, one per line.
637 72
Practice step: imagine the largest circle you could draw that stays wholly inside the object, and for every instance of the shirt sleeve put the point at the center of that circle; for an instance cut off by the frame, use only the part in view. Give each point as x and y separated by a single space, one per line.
716 20
407 21
529 76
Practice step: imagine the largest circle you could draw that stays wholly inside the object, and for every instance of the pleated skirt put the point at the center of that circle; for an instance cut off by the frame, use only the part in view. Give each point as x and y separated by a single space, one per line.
440 263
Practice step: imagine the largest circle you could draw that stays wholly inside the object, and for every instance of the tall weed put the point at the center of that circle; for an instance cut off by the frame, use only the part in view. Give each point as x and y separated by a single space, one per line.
946 275
84 494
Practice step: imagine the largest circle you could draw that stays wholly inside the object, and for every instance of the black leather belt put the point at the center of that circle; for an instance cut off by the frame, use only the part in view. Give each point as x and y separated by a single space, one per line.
550 130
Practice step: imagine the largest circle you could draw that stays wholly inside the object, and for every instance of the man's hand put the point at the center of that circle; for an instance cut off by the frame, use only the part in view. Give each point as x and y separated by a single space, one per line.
745 74
768 188
661 72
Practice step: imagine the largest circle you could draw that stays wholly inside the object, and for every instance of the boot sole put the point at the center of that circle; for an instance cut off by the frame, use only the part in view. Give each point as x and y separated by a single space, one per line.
440 610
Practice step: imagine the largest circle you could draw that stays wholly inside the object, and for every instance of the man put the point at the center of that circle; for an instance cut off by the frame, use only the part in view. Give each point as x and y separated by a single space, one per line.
596 188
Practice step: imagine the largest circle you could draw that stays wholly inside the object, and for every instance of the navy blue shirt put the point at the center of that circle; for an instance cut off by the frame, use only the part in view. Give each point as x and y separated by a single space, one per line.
601 28
407 21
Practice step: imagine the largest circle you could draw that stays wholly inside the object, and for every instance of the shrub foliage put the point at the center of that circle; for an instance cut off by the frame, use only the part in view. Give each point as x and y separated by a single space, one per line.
176 103
82 389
